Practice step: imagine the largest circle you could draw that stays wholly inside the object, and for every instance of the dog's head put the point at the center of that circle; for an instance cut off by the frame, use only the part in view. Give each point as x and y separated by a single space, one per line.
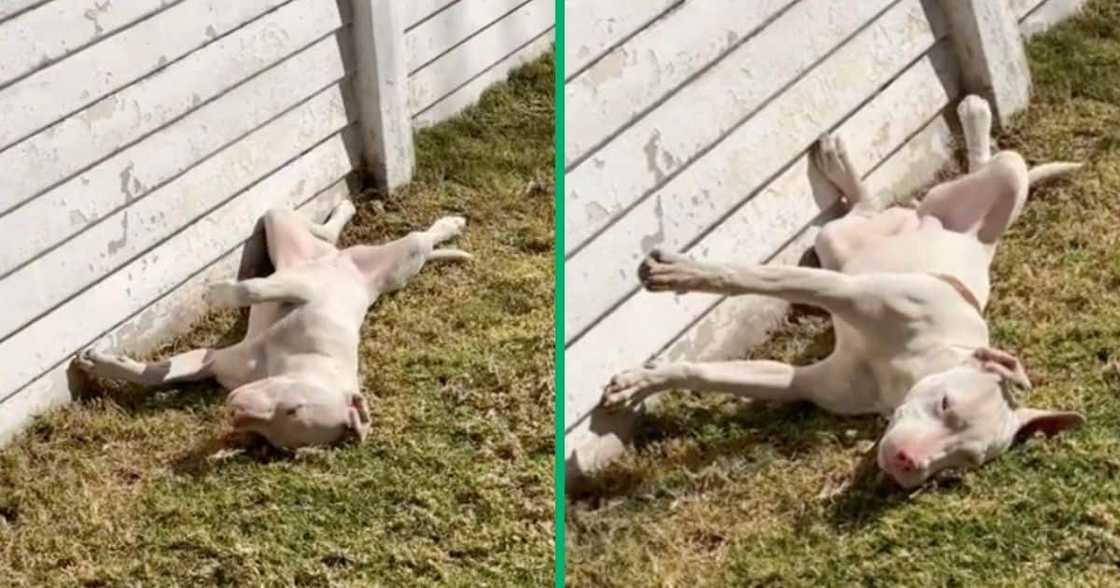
963 417
292 414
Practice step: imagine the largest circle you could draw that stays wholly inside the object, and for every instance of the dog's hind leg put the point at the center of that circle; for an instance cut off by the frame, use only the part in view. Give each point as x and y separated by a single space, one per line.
987 201
976 124
290 238
340 217
388 267
189 366
279 287
983 203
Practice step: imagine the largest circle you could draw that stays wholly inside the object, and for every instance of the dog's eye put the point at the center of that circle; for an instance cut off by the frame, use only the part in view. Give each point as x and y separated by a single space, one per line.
945 404
292 411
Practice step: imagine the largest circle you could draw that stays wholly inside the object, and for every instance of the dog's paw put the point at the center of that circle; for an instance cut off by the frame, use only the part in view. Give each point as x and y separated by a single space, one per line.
630 385
830 156
344 208
449 254
448 227
85 360
224 294
661 271
95 362
974 112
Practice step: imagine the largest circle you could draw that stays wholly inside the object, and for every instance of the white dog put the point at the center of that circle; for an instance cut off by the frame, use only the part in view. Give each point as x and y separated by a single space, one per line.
906 289
294 377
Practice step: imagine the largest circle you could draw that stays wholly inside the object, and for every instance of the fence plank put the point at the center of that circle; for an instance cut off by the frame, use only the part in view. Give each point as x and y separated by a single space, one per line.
381 89
632 78
594 26
99 130
418 10
118 61
469 93
990 48
1048 14
81 261
42 36
1020 8
600 188
12 7
450 27
130 174
458 67
601 274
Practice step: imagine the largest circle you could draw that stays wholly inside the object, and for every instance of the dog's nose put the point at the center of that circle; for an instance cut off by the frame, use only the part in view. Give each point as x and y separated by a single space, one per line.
903 462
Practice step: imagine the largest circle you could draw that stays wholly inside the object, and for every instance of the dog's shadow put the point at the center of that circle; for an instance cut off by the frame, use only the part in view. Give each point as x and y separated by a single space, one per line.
226 449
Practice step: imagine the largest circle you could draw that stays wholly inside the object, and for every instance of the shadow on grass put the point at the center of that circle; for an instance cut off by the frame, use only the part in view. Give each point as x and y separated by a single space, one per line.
790 429
229 449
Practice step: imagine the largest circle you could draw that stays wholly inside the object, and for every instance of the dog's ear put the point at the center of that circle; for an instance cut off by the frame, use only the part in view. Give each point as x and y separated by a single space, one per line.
1003 364
359 416
1050 422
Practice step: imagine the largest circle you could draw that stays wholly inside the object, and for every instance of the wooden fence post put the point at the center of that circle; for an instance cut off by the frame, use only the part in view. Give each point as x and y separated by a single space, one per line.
381 91
989 47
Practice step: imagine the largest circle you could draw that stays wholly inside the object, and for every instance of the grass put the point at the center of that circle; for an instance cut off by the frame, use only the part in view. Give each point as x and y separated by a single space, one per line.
719 492
454 484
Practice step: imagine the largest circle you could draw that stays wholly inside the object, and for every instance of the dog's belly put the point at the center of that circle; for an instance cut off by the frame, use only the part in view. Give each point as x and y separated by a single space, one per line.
317 340
927 249
315 329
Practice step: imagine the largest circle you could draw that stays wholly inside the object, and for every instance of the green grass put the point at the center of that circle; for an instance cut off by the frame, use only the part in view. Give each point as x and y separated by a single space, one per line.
454 484
722 493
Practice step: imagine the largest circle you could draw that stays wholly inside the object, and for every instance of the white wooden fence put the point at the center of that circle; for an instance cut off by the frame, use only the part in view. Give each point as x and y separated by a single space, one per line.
140 141
687 128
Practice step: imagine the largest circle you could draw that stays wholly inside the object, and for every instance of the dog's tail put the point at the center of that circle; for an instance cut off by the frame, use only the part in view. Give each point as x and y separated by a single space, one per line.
1047 171
449 255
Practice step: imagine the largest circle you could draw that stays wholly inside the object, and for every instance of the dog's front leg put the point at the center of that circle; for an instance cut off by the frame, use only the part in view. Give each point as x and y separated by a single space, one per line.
190 366
827 289
755 379
830 156
278 287
390 266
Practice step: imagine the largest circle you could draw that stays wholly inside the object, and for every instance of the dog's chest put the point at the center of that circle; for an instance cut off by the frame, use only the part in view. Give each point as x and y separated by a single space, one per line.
897 373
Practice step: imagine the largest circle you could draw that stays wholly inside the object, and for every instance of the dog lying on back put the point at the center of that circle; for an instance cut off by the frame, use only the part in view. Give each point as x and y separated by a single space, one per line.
293 379
906 289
